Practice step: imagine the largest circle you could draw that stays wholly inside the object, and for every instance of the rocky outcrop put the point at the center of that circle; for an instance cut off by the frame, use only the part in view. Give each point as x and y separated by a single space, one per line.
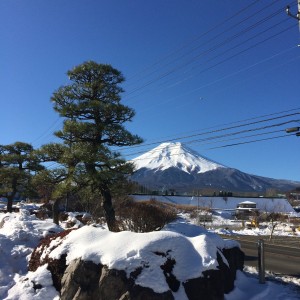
215 283
85 280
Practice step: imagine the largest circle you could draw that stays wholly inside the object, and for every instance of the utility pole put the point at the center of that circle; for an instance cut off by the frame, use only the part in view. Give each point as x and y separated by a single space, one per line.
297 16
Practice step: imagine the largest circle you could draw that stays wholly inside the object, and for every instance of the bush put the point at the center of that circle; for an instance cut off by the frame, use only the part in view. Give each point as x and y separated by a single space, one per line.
145 216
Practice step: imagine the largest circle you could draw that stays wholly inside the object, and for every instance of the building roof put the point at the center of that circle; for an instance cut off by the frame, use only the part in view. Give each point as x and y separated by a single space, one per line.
247 202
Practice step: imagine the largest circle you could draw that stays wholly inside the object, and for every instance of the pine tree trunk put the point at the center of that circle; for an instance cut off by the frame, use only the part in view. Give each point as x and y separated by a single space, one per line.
109 210
55 210
9 203
11 197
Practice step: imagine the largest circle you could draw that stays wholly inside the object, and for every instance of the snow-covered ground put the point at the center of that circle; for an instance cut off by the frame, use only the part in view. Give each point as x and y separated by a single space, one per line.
223 223
224 203
20 233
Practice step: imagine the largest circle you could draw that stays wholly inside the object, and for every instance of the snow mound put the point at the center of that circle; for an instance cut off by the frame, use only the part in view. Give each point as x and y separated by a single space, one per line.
129 251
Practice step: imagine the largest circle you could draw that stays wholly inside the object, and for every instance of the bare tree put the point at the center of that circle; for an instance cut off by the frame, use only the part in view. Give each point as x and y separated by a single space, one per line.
273 215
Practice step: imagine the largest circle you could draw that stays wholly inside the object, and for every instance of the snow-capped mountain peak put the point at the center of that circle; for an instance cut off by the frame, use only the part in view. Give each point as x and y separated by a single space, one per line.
175 155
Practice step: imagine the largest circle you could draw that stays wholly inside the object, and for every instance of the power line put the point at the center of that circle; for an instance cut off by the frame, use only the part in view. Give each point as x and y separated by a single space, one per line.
228 58
229 134
228 128
253 141
174 69
151 156
210 140
249 67
213 38
234 47
241 33
46 131
246 130
217 26
224 129
224 77
224 124
243 51
238 138
224 146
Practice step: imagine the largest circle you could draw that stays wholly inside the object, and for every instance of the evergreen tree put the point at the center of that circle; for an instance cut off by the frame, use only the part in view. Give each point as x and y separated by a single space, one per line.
94 121
17 164
51 185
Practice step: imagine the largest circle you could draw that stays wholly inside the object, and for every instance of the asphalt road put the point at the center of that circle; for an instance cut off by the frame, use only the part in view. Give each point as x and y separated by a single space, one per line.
281 257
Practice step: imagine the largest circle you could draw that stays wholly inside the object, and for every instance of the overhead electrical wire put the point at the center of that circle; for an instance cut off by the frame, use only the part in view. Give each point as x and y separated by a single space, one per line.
224 129
241 33
234 47
224 42
225 77
46 132
199 142
251 66
253 141
225 135
232 74
216 139
228 76
151 156
245 50
217 26
170 138
161 62
245 131
224 60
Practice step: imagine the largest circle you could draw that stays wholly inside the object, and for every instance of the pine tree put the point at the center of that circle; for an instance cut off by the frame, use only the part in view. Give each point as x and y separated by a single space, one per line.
94 121
17 162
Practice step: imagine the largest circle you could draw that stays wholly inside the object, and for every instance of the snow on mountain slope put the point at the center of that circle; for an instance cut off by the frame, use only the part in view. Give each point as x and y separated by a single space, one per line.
176 155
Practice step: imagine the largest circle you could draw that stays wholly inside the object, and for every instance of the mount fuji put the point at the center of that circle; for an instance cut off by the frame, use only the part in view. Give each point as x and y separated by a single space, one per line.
176 166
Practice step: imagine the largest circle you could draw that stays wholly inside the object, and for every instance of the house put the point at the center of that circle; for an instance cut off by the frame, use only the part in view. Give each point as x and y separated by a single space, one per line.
245 210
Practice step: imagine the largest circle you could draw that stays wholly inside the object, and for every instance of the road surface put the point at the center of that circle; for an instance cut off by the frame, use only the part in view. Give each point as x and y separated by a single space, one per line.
281 257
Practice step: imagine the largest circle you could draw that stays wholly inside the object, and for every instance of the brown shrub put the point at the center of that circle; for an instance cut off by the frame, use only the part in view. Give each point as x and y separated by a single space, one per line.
145 216
186 208
295 221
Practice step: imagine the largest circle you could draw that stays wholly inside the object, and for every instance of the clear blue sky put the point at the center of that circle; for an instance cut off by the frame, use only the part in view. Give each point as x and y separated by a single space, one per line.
189 65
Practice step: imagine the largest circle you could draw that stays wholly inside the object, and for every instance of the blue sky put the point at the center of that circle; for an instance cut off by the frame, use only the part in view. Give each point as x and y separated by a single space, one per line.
191 67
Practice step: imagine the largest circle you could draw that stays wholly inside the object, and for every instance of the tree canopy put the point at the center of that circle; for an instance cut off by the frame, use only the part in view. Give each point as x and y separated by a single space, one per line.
94 121
17 162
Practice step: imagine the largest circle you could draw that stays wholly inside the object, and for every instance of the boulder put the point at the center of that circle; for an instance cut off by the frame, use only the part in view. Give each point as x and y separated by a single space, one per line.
215 283
85 280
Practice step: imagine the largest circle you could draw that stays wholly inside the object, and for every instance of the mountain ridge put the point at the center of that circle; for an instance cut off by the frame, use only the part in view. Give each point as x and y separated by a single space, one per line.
177 155
175 166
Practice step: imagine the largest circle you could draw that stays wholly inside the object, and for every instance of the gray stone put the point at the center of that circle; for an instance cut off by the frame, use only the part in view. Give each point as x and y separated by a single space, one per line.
80 280
85 280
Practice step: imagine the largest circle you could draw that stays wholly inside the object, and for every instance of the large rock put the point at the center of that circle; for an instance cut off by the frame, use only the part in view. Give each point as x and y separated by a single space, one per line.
83 279
215 283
